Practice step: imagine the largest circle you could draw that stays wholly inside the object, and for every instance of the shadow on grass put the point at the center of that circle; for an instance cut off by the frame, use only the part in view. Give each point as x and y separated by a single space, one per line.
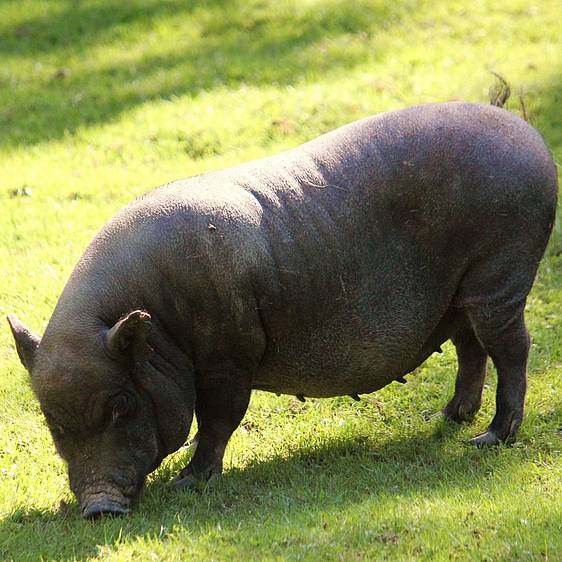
76 25
231 45
308 485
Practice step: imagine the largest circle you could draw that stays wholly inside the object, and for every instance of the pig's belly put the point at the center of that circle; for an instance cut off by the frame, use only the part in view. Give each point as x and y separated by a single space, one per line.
320 382
385 326
318 365
355 351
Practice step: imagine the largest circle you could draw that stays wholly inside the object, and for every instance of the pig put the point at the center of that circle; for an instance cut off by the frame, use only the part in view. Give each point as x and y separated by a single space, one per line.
331 269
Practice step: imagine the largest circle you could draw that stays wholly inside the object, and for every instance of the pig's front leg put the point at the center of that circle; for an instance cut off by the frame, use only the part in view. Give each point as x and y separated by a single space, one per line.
220 405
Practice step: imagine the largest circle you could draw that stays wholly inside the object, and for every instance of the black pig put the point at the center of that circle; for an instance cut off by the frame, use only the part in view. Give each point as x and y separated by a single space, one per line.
331 269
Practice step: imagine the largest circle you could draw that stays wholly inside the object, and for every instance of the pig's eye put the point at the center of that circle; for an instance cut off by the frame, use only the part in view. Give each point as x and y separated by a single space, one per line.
57 431
121 405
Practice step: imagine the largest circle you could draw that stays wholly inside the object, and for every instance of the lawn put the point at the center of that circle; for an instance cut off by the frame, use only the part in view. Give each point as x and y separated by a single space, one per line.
99 102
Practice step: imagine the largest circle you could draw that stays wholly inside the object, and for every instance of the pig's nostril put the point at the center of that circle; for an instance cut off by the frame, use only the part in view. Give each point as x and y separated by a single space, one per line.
100 508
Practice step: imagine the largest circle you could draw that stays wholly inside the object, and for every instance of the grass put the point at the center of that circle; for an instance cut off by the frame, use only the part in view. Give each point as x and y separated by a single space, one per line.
102 100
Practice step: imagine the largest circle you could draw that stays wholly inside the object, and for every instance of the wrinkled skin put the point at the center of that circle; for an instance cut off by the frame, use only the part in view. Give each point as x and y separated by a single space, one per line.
331 269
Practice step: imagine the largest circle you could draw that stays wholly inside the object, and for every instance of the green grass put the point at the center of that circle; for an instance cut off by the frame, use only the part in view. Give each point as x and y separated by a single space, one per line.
103 100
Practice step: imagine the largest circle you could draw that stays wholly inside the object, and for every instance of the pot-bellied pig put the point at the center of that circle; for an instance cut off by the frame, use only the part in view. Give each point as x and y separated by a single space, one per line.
332 269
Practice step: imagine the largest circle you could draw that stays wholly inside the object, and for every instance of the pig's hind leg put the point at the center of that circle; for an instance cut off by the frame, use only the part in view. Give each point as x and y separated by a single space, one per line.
502 332
492 294
471 373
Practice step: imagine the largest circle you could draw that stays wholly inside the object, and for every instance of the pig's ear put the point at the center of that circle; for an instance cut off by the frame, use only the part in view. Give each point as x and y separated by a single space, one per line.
26 341
129 336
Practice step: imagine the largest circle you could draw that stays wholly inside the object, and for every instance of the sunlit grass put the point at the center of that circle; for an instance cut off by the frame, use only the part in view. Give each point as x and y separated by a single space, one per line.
101 101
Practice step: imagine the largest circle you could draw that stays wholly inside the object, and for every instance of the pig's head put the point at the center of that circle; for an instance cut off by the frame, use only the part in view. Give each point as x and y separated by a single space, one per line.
115 404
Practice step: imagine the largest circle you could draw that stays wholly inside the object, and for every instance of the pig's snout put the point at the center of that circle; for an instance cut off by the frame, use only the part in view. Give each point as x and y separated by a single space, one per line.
103 507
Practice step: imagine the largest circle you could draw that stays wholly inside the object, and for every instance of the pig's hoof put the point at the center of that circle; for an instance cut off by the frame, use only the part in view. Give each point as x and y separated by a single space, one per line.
503 433
460 410
188 479
487 439
188 482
